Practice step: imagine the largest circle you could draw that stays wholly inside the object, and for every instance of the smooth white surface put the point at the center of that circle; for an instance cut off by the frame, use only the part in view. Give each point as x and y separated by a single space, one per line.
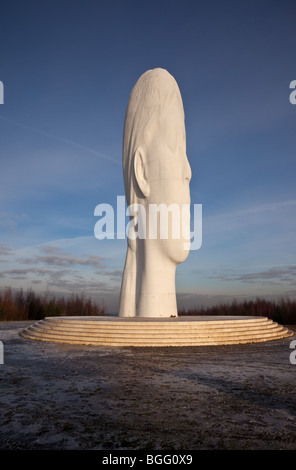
156 170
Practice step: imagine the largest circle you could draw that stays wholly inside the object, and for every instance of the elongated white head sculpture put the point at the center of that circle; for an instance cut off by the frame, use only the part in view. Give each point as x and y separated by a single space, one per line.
156 178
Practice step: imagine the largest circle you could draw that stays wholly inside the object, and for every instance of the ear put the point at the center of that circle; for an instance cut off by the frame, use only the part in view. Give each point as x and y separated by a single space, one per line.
141 173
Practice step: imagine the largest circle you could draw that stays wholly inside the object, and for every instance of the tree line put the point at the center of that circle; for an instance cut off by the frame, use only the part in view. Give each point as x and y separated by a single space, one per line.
18 305
282 311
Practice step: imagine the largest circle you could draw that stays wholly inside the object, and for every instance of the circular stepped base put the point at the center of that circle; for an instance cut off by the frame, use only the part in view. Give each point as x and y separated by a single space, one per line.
145 332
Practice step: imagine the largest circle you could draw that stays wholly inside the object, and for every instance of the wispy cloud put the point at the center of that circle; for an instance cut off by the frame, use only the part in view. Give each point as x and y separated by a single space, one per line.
51 266
87 286
60 280
274 275
64 260
61 139
5 249
250 216
10 221
116 274
22 273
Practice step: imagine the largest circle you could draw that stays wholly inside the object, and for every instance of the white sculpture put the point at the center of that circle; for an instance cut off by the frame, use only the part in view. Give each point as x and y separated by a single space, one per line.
156 171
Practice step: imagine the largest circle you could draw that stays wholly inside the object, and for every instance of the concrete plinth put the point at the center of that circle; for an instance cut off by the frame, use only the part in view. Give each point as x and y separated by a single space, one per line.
145 332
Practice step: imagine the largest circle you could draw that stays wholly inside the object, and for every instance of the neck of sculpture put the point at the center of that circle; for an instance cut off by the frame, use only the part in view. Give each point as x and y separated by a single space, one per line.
148 284
156 292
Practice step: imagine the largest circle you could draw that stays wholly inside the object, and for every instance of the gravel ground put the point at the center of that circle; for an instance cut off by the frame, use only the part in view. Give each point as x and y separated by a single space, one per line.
61 397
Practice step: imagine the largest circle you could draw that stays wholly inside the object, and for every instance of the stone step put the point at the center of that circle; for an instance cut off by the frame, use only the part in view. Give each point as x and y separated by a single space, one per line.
145 339
159 331
114 331
153 325
155 343
131 321
270 328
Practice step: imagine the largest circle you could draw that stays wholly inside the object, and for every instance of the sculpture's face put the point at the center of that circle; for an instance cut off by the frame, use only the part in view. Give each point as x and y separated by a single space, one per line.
169 174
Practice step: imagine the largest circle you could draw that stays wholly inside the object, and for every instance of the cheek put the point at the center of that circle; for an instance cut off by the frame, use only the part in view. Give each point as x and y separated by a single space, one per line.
178 192
169 191
175 250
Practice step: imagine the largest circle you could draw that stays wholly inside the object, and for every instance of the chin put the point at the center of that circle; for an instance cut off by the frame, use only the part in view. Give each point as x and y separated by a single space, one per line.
177 251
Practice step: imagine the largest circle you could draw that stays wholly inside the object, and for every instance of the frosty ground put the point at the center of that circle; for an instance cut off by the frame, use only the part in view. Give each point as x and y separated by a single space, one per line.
60 397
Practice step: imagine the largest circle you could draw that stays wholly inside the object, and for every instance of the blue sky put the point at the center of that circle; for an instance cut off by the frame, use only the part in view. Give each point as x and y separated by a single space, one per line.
68 68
